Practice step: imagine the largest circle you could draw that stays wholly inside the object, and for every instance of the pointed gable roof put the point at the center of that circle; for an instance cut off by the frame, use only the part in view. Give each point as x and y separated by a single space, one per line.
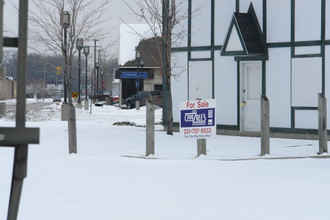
244 36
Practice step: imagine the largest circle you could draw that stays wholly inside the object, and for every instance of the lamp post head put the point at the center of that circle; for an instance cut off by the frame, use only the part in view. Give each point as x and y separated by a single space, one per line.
86 50
97 65
65 19
79 43
137 55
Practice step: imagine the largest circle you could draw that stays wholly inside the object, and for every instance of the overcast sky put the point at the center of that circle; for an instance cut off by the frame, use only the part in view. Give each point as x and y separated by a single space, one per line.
117 11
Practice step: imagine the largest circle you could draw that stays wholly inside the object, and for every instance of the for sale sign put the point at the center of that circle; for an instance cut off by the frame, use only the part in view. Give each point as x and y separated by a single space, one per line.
197 119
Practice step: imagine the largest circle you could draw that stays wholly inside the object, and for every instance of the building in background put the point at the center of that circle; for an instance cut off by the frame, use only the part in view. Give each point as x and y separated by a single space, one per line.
133 77
235 51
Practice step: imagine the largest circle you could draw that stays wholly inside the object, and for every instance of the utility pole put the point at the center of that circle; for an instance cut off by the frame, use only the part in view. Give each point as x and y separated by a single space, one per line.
95 64
43 97
165 21
68 110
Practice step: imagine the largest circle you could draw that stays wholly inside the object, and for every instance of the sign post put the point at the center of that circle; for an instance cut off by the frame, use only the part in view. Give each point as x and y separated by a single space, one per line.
197 121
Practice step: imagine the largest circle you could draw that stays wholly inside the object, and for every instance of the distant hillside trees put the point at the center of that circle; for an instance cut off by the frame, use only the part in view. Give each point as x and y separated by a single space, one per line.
41 70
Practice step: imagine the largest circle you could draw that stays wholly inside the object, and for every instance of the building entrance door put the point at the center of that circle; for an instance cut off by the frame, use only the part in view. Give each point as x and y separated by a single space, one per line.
250 96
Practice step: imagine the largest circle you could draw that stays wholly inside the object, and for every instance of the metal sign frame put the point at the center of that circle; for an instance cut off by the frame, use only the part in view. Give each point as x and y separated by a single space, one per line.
26 135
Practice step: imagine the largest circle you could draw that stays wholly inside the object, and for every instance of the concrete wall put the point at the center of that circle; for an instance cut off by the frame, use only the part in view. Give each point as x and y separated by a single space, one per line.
149 84
7 86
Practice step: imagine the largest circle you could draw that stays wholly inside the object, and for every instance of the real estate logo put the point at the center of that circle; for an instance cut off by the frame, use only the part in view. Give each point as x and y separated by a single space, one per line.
197 119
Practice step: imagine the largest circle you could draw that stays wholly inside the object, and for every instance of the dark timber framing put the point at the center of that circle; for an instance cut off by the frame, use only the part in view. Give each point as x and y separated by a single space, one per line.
291 44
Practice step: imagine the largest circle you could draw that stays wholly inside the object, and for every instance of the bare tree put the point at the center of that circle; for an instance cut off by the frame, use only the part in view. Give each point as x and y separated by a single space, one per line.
86 19
167 17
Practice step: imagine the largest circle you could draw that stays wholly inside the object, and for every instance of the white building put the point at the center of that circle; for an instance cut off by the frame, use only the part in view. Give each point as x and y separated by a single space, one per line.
237 50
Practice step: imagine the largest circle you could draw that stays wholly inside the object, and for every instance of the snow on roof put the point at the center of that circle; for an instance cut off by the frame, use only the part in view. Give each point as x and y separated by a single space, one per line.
130 36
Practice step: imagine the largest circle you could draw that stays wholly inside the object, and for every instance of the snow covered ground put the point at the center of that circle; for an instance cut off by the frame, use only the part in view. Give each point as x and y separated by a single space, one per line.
110 178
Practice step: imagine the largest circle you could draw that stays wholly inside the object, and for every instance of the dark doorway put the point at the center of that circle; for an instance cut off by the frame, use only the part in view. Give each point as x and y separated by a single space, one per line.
129 87
159 87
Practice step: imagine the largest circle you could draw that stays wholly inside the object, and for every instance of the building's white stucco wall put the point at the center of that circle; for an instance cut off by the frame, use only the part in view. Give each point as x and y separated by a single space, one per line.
225 89
278 86
278 21
179 82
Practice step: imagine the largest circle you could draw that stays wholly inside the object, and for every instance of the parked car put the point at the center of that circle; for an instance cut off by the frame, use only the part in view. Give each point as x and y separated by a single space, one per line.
56 98
142 96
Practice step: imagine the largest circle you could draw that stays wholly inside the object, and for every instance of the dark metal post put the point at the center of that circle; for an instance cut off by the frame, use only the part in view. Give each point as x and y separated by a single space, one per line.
137 57
21 151
165 13
97 80
65 73
97 65
141 65
79 46
137 79
43 91
79 101
102 83
94 67
1 28
86 52
86 81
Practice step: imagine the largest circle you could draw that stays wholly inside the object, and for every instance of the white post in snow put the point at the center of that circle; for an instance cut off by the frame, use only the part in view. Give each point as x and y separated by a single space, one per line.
150 128
323 135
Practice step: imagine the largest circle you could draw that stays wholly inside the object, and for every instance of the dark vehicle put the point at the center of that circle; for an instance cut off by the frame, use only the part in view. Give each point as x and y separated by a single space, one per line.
142 96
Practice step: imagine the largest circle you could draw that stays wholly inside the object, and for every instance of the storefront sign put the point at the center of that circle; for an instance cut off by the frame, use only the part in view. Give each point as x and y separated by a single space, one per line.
134 75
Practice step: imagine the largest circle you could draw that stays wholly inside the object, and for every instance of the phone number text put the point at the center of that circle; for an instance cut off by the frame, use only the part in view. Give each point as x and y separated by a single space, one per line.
197 131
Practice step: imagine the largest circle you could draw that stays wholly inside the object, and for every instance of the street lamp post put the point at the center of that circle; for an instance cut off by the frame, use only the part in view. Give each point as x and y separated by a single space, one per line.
97 66
137 57
68 109
65 23
79 45
86 52
141 65
102 73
